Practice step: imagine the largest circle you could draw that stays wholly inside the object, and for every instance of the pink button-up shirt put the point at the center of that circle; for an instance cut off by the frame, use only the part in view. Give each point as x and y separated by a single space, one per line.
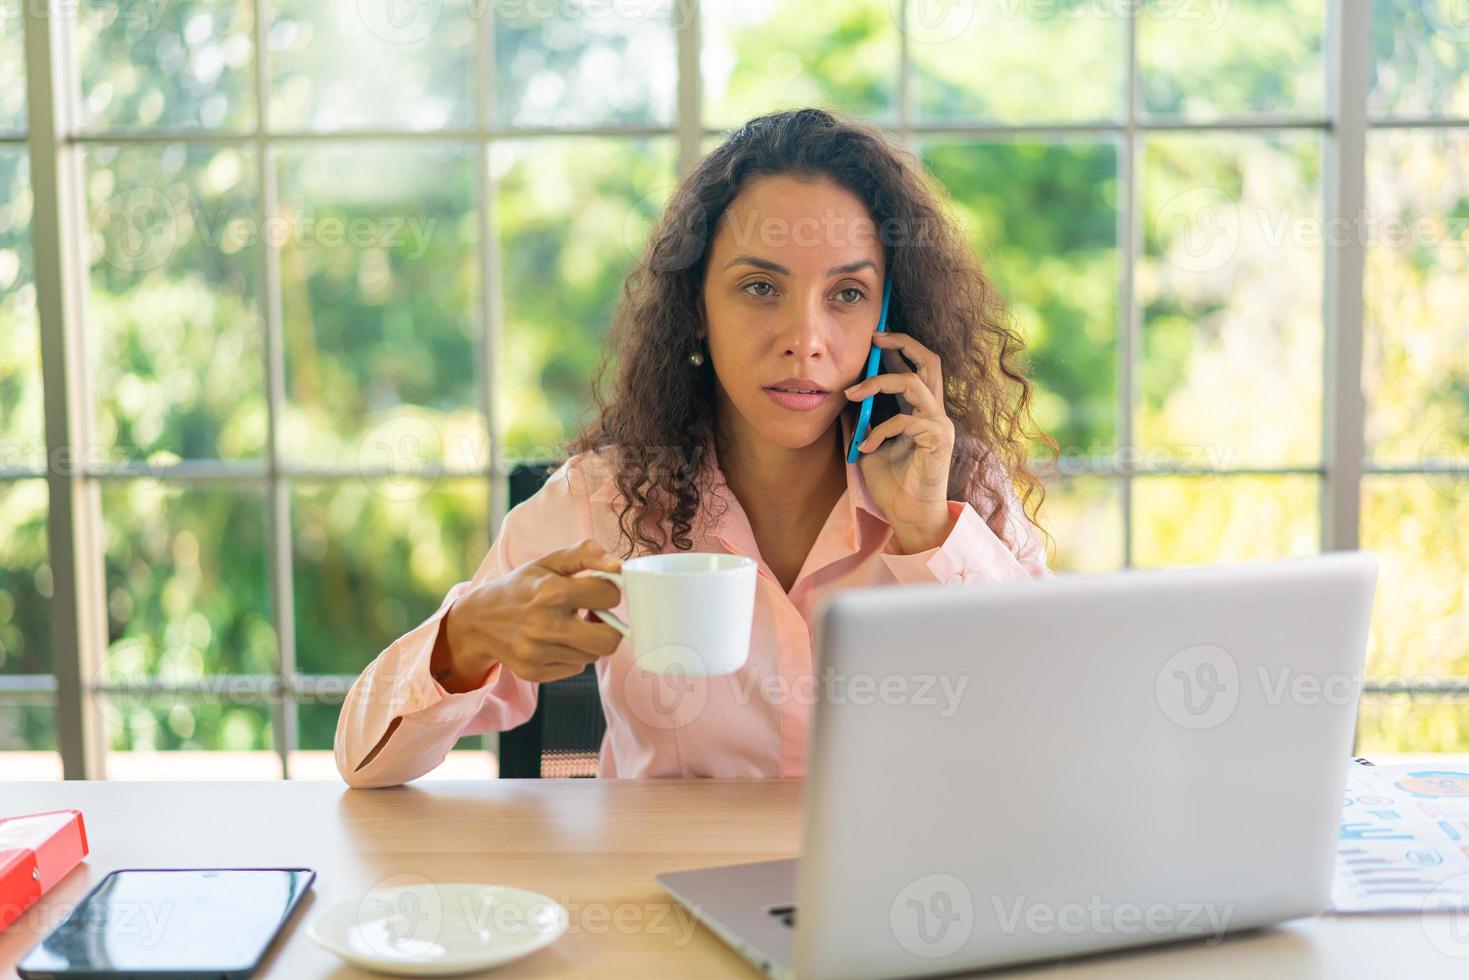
753 722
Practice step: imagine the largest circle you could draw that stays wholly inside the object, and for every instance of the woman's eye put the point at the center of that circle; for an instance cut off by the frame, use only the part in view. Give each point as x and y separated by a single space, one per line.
851 295
761 282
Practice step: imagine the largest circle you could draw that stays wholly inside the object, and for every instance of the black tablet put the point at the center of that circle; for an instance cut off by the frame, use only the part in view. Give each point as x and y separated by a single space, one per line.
180 923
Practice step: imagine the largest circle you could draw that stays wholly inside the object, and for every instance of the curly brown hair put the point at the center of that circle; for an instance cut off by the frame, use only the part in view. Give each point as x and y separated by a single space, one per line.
661 408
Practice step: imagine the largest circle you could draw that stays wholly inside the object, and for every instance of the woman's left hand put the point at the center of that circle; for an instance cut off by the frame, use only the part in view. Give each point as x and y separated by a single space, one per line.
905 460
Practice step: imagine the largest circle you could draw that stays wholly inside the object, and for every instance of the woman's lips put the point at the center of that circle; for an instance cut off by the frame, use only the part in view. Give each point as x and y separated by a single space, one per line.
797 402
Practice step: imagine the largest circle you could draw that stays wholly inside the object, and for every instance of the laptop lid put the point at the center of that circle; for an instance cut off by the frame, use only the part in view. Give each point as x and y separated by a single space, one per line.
1010 772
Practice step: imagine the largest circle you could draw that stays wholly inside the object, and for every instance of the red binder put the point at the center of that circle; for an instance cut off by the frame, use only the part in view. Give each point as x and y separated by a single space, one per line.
36 851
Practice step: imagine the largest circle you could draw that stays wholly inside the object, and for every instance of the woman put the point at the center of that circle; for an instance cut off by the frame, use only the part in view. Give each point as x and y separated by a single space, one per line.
736 340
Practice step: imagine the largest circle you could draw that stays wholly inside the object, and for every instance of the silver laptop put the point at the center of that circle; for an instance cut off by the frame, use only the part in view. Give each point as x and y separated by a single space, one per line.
1016 772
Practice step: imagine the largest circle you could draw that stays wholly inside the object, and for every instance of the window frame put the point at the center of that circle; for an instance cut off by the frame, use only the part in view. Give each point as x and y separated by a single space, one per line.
58 236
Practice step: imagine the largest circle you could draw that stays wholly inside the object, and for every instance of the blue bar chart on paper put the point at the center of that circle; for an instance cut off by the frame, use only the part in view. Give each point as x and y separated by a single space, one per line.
1404 844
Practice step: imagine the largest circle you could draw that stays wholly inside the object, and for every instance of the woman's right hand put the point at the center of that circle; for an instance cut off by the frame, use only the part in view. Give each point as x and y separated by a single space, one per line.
531 621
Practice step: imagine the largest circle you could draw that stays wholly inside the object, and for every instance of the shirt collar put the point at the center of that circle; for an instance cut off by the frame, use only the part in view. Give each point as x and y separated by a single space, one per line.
857 497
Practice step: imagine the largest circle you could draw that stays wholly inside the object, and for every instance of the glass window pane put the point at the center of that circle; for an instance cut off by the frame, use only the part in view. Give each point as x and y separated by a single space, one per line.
374 64
375 558
1006 61
173 322
12 73
1412 725
380 298
1416 337
317 724
166 65
163 736
586 64
573 216
1230 288
1084 516
187 585
1200 520
1043 218
25 579
761 56
1418 526
1420 53
22 424
28 741
1202 59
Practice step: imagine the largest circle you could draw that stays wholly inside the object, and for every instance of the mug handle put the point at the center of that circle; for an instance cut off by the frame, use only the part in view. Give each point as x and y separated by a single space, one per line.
609 618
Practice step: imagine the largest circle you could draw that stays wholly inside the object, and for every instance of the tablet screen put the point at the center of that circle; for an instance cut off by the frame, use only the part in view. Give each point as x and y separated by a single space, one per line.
145 920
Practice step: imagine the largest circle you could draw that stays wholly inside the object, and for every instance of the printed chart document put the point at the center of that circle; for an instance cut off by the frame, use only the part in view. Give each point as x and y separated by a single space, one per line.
1404 843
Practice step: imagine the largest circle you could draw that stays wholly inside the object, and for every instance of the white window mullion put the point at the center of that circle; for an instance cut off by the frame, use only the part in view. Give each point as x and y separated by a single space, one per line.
690 121
78 610
284 712
1129 249
1348 56
491 308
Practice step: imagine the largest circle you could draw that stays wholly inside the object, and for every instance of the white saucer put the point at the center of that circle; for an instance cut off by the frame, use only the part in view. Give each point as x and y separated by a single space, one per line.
430 929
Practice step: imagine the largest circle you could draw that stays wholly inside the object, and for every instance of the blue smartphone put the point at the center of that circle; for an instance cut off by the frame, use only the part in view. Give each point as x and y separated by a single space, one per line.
864 414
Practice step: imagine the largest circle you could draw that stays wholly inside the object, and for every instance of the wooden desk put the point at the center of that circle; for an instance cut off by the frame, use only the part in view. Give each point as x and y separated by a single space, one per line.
594 846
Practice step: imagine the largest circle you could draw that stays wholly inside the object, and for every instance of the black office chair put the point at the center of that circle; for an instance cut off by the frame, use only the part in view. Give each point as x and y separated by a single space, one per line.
563 736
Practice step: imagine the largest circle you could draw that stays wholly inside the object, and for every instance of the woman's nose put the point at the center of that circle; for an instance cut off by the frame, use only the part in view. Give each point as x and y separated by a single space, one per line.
805 334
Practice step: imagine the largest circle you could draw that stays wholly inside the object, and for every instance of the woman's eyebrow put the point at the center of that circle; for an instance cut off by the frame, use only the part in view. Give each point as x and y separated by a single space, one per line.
841 270
836 270
759 263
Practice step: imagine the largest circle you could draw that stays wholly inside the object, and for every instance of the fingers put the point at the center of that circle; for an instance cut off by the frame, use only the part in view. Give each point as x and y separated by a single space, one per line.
551 639
929 367
564 655
552 627
588 592
547 671
551 661
585 554
584 643
591 640
909 385
893 362
933 435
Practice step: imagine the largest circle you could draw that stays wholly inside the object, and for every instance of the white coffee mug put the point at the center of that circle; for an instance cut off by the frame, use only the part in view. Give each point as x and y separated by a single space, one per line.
688 613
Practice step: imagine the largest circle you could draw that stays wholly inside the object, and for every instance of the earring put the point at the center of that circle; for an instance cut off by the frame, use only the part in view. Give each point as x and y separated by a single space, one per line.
697 358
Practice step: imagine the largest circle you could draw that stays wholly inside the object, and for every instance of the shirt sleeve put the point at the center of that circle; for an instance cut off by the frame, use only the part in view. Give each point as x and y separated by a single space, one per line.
972 552
398 685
